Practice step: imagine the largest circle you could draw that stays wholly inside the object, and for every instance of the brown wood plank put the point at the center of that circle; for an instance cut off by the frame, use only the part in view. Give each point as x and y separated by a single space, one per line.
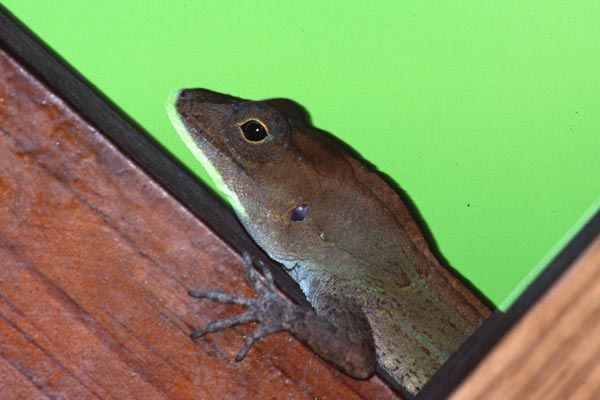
96 261
554 352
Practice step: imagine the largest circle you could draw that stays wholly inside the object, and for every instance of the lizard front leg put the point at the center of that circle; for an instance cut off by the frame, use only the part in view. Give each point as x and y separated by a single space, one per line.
342 336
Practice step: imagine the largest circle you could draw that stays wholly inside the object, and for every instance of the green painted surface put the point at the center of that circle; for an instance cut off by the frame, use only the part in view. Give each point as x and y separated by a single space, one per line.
486 114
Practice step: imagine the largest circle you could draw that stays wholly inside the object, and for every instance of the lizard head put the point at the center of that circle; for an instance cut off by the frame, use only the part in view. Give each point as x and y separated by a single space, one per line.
272 167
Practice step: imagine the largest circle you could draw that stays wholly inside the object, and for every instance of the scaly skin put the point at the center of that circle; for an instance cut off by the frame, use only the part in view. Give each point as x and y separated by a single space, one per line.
340 231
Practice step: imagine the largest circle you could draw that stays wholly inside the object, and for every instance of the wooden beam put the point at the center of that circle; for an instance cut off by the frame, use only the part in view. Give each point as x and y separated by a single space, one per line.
554 351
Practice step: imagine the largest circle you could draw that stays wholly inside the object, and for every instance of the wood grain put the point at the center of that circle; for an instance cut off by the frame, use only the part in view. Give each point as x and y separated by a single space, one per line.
96 260
554 351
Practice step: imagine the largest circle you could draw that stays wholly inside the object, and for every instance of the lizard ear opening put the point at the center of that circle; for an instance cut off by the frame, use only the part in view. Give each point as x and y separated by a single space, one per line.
254 131
299 213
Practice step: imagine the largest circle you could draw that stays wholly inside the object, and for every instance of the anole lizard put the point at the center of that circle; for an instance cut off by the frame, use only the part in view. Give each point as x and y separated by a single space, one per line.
340 231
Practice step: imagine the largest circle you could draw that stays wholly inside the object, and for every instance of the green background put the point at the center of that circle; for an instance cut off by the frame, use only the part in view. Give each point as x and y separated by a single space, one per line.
485 113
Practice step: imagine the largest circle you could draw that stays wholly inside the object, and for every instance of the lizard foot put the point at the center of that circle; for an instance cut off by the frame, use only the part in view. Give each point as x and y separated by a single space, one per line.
270 308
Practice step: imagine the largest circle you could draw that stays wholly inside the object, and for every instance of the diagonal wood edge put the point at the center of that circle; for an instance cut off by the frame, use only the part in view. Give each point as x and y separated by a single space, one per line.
553 352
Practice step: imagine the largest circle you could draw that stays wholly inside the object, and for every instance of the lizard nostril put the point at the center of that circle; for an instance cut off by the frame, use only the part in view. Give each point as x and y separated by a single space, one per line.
184 94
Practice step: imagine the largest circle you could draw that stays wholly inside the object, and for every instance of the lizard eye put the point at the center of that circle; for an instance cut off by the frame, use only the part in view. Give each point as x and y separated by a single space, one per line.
253 131
299 213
